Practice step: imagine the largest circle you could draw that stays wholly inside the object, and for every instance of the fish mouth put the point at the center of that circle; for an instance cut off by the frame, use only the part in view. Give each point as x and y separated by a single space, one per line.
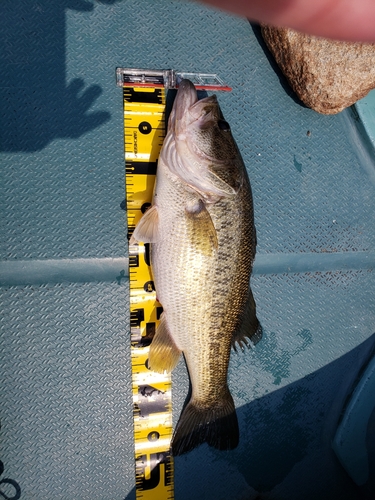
187 108
185 98
190 113
204 112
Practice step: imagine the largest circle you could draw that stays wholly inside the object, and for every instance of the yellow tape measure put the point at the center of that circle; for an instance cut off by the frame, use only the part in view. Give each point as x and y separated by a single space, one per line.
144 131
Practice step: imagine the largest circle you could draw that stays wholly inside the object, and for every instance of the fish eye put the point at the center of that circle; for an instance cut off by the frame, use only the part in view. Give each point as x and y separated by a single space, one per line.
223 125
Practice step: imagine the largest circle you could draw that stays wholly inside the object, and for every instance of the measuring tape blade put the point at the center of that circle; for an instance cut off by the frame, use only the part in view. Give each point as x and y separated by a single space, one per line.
144 95
144 132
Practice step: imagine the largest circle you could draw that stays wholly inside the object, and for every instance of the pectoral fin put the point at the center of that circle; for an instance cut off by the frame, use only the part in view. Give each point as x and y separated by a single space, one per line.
164 354
202 230
147 228
250 330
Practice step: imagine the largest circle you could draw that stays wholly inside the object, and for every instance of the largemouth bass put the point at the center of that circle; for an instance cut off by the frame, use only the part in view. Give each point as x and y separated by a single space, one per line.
202 235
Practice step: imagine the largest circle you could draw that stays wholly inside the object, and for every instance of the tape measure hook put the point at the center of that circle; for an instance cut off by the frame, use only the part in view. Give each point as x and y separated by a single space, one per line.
168 79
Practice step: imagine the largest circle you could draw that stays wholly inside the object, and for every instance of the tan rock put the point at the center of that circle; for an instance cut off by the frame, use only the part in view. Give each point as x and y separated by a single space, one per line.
326 75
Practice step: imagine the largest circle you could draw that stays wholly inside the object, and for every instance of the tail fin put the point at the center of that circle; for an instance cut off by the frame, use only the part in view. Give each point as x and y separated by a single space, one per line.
216 425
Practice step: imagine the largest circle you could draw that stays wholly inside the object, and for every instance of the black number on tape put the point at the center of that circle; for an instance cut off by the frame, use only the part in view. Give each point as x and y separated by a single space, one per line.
144 128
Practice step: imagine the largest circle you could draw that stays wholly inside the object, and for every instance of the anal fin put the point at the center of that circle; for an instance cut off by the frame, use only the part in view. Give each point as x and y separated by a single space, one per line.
250 331
164 354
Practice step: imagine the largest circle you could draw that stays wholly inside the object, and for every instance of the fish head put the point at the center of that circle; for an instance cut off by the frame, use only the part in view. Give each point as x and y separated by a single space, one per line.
204 150
201 124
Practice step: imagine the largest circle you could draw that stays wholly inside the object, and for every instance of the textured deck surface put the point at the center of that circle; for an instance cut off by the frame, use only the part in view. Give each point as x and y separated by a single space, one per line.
66 403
